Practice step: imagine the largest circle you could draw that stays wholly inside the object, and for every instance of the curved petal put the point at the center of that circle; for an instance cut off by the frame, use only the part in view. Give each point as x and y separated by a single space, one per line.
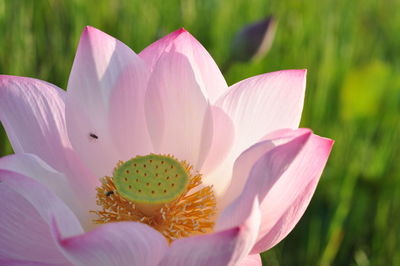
178 115
119 244
284 178
258 185
32 166
287 199
99 62
127 118
26 212
249 157
238 212
32 113
222 140
221 248
263 104
258 106
251 260
289 218
208 75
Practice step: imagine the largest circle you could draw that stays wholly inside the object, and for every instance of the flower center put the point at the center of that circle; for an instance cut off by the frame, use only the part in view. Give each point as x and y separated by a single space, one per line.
160 191
151 179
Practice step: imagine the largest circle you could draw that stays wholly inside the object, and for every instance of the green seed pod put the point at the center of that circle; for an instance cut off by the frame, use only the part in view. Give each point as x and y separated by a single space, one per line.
151 179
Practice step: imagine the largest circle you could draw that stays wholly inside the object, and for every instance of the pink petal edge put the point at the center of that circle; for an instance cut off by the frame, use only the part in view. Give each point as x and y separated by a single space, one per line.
287 200
264 103
251 260
244 163
207 73
99 62
115 244
257 106
173 99
24 221
58 183
32 113
225 247
283 171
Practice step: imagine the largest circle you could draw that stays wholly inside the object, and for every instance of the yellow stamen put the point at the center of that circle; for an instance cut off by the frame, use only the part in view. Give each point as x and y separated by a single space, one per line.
191 213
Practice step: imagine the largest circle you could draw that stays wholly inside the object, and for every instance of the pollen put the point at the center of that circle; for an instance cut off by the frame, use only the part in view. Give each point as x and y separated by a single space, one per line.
174 202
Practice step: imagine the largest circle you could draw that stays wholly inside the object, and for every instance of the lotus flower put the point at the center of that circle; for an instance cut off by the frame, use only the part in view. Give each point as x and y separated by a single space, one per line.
151 159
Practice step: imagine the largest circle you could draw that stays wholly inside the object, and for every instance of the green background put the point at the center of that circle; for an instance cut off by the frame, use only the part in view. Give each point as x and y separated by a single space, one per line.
351 49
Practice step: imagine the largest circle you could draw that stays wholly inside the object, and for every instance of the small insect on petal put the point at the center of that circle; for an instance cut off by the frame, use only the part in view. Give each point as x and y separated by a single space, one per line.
93 136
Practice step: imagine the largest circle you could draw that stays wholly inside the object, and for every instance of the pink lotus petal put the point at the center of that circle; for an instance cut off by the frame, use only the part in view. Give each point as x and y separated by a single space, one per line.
237 212
251 260
97 67
207 73
178 115
25 219
127 118
119 244
284 178
249 157
220 248
266 171
287 199
288 219
225 247
32 166
257 106
263 104
222 140
32 113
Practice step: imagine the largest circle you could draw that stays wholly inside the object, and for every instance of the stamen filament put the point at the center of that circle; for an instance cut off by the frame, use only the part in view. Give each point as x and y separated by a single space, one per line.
191 213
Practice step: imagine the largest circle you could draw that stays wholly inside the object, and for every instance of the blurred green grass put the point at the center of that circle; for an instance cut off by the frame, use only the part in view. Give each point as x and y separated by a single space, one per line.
352 52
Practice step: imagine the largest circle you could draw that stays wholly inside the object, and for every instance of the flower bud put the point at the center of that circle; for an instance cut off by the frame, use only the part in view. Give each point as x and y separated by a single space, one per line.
254 41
